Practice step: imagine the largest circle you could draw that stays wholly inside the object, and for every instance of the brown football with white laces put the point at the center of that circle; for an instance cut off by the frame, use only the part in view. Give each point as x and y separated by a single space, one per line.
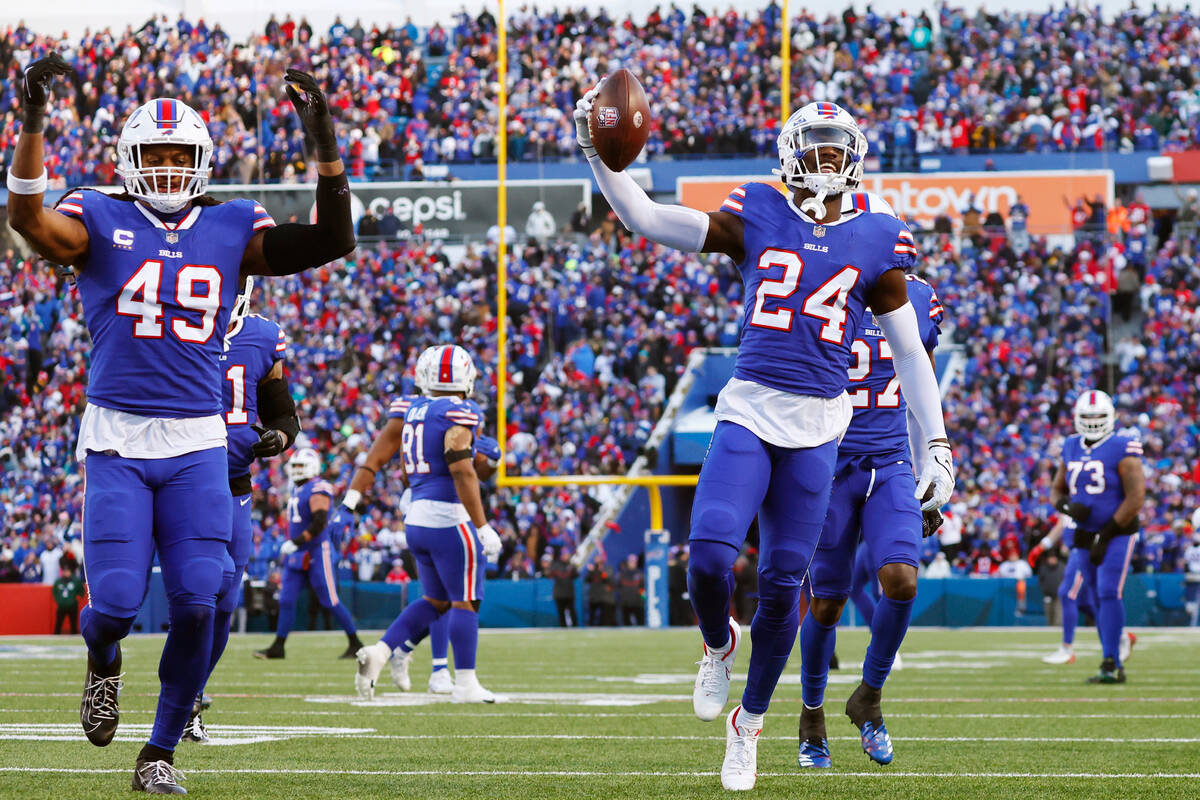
620 120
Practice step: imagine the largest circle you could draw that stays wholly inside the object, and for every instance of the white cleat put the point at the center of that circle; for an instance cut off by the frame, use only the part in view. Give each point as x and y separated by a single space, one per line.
1128 640
370 663
898 663
471 693
399 664
740 769
440 682
711 690
1063 655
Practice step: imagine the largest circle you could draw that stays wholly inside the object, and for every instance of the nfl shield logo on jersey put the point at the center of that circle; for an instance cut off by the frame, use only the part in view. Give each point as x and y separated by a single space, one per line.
607 116
172 237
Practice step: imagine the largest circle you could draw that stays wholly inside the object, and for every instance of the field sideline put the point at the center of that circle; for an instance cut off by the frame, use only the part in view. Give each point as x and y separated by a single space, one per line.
607 713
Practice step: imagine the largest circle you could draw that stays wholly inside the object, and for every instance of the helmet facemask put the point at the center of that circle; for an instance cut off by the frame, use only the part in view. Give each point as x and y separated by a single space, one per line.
808 137
241 310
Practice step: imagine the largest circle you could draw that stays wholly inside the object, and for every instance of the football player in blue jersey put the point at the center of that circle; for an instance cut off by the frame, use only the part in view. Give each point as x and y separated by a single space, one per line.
382 450
261 422
874 492
810 270
1101 484
310 553
157 269
446 524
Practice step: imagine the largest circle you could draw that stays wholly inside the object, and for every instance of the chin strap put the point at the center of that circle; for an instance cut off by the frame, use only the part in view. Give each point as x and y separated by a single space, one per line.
815 206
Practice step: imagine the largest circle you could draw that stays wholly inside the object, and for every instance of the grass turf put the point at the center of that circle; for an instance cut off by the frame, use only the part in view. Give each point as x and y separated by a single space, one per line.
972 714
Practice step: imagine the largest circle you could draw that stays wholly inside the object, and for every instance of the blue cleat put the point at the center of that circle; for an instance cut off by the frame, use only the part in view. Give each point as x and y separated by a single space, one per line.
815 753
814 744
876 742
863 710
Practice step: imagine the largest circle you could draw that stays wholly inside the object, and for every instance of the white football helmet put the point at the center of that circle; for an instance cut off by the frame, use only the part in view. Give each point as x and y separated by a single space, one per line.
821 124
1095 416
445 368
304 465
164 121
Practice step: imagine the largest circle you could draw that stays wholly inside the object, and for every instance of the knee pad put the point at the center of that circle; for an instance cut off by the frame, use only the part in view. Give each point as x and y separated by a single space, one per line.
189 618
710 560
200 581
714 521
117 593
777 597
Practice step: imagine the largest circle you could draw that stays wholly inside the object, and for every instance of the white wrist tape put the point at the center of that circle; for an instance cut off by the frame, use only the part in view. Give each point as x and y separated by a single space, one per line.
351 499
28 185
911 362
679 227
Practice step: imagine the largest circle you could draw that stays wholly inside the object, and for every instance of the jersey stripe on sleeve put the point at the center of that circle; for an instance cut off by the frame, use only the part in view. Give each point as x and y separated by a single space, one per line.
905 246
71 205
735 199
261 219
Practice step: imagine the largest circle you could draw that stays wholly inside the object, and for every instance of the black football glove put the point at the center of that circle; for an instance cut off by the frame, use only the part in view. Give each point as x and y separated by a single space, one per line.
1099 546
314 113
38 77
1076 511
931 520
270 442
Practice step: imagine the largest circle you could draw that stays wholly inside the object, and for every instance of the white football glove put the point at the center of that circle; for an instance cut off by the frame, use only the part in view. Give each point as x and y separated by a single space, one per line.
287 548
582 115
938 472
490 541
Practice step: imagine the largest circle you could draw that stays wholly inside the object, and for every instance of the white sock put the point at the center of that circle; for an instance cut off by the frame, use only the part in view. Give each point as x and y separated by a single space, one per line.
719 652
748 720
465 677
813 708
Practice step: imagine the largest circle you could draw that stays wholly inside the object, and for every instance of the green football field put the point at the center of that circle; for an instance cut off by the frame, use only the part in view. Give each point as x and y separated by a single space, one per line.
607 713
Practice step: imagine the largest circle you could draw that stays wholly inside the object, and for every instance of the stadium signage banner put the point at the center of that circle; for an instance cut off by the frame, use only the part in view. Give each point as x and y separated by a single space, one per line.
924 197
445 210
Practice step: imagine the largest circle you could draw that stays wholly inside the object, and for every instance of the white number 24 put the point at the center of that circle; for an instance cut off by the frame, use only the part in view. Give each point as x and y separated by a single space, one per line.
826 303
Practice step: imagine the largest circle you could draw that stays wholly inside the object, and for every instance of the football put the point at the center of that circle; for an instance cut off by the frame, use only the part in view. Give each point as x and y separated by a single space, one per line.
620 120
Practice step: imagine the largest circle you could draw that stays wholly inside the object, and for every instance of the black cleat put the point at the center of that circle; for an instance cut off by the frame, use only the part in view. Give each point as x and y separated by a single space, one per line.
274 651
205 702
833 661
352 649
100 710
1109 673
157 777
195 730
814 744
863 706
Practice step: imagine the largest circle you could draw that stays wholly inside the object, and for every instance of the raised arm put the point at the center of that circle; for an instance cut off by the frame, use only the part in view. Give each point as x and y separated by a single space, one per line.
671 225
294 247
53 236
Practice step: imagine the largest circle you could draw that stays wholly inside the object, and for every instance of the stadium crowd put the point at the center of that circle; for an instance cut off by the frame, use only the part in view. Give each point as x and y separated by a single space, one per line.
602 326
406 97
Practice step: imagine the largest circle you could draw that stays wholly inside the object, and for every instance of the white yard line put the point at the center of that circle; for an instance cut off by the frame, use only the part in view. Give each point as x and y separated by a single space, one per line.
631 774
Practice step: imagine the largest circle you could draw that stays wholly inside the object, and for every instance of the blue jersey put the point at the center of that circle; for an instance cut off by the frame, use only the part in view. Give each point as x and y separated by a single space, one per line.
156 297
299 512
253 350
423 444
880 424
806 286
1093 478
399 407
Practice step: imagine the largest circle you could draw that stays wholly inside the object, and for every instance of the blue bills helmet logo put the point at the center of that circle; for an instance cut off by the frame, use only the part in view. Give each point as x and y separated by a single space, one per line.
607 116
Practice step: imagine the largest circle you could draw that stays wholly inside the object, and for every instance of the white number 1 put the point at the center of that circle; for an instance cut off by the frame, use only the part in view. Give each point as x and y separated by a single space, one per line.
237 415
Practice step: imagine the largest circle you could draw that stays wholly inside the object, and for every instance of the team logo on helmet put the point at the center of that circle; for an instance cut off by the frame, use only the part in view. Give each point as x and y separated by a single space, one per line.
607 116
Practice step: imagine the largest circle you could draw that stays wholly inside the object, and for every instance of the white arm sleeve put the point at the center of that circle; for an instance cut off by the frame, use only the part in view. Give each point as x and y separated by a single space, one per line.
679 227
916 442
911 361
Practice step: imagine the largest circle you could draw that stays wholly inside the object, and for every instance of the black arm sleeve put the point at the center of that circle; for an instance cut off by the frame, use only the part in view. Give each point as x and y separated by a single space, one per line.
292 247
277 409
319 518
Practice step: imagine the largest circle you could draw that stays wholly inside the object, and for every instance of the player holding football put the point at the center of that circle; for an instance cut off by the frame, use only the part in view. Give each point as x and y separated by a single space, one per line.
874 491
310 553
1101 484
382 450
810 270
446 525
157 270
254 393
